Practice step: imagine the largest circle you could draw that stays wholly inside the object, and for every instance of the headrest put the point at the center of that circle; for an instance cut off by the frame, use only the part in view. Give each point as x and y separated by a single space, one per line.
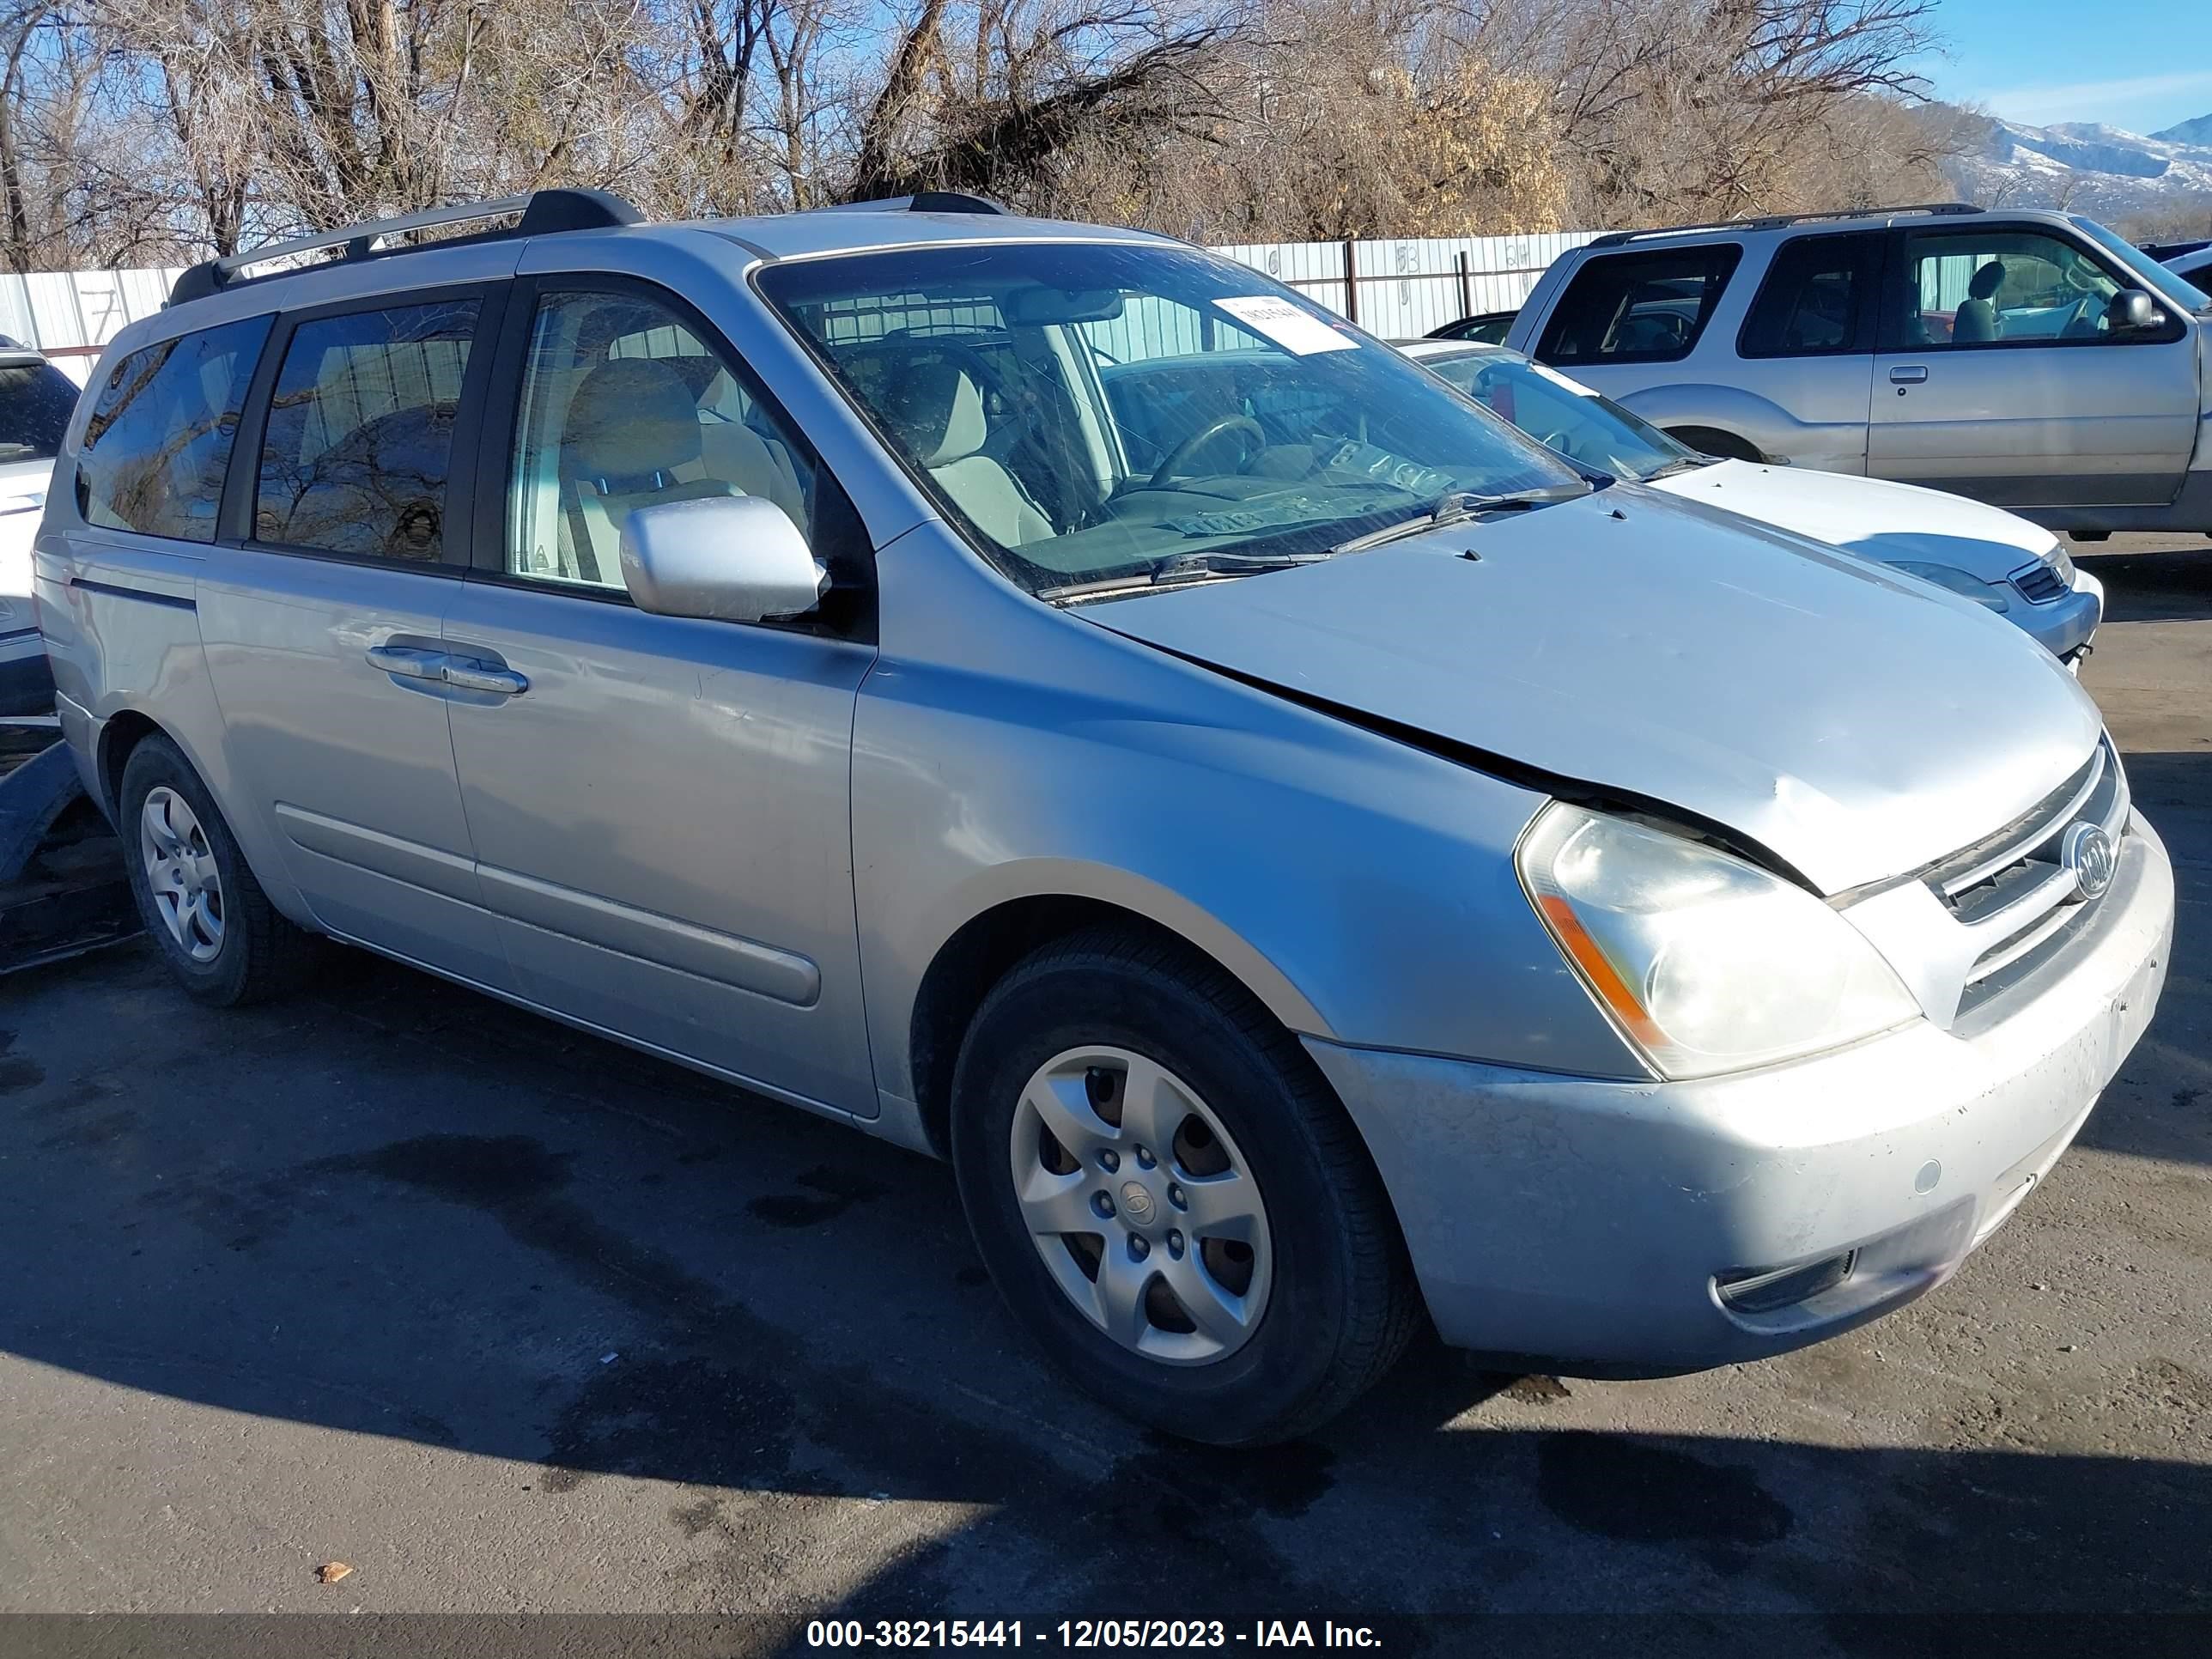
1987 281
632 420
934 409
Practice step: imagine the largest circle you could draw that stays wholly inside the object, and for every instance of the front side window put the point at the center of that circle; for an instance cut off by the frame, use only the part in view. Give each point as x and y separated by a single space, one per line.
1999 286
1095 413
1813 302
1638 307
361 433
1563 414
623 406
158 441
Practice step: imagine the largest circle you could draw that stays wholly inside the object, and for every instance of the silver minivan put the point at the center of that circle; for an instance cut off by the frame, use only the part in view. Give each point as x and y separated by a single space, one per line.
1315 860
2033 360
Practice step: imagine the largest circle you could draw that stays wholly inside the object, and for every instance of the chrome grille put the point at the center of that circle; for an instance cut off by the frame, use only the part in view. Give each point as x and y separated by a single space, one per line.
2039 583
2013 893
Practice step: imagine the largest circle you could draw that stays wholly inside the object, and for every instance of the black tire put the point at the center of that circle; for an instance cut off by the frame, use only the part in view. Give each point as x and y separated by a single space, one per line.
1342 1304
261 954
1712 440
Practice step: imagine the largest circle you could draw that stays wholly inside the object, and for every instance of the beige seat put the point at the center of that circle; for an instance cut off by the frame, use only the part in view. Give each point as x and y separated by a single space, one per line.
1977 319
632 429
936 412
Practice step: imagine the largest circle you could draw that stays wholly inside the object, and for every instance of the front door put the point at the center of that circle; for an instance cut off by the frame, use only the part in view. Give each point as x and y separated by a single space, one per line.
2002 376
660 805
322 623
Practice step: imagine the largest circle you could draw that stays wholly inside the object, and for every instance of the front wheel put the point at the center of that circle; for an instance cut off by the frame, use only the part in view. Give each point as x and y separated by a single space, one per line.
1168 1197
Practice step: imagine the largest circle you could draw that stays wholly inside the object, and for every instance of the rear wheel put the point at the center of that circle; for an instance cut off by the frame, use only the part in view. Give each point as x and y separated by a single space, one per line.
214 925
1168 1197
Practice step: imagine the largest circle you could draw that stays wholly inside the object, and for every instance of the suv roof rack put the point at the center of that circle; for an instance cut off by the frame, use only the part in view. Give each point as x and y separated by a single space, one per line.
542 213
923 201
1776 221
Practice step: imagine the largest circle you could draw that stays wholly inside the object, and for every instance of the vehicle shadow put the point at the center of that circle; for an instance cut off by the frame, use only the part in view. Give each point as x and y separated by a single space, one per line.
2144 586
2160 1105
398 1210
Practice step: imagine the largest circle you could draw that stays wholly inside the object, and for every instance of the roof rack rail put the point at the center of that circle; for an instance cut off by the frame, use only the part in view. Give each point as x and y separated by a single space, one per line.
923 201
542 213
1776 220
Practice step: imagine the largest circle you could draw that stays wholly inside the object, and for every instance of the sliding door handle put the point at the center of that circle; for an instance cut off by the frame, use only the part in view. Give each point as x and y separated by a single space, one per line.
472 676
412 662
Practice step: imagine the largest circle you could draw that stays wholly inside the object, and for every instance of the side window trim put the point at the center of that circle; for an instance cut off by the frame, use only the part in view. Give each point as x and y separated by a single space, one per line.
833 519
1889 338
242 483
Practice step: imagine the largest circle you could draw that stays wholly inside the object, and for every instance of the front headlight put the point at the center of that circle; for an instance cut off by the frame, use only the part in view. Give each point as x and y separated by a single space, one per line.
1705 962
1991 594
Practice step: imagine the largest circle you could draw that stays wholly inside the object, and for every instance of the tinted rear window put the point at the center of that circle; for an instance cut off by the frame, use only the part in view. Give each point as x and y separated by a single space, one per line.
36 401
361 432
158 441
1638 307
1814 300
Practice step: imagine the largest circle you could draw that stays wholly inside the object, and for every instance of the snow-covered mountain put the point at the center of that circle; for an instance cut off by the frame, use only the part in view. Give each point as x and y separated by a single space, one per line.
2087 168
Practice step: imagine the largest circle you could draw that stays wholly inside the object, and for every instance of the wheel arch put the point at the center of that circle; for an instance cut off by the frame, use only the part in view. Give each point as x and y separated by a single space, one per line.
975 954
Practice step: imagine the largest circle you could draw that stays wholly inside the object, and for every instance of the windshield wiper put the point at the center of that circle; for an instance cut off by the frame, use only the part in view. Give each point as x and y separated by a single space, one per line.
1461 505
1683 464
1184 568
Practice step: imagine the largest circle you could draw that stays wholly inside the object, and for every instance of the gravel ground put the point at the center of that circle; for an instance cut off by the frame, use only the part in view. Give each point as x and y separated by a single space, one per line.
511 1320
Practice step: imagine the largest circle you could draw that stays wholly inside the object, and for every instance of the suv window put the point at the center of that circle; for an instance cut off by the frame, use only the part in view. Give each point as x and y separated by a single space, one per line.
624 406
157 442
36 401
1995 286
361 432
1638 307
1814 302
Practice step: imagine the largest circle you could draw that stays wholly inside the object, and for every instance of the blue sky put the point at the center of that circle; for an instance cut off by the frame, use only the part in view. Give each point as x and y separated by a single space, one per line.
2142 65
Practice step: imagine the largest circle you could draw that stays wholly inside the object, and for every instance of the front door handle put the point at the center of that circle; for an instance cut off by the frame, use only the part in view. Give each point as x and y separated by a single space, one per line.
1907 375
412 662
472 676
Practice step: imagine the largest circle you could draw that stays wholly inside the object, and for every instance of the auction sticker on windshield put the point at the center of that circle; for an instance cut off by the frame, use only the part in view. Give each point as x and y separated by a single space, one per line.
1296 331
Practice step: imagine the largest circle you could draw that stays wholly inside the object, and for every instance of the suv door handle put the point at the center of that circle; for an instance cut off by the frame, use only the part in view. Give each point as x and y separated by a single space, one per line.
472 676
1907 375
412 661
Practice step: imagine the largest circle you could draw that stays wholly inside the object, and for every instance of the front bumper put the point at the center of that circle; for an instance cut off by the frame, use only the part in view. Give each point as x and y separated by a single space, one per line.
1584 1222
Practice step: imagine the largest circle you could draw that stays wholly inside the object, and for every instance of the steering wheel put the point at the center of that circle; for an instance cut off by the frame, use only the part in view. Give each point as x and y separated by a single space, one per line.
2085 321
1179 458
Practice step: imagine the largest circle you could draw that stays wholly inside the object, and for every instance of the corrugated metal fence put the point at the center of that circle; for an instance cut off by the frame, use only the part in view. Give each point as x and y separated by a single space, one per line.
1396 289
1401 289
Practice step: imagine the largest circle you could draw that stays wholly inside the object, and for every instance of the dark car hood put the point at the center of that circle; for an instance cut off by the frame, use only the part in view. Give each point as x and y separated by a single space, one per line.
1858 724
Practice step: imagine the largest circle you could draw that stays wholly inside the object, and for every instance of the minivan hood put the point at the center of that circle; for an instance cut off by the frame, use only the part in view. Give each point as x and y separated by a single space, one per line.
1856 723
1879 518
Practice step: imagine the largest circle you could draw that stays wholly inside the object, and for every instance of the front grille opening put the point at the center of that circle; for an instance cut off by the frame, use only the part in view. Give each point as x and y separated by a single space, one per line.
2039 584
1770 1289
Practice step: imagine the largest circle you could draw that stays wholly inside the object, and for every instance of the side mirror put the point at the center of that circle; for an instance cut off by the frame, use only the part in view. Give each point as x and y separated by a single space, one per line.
2132 311
729 558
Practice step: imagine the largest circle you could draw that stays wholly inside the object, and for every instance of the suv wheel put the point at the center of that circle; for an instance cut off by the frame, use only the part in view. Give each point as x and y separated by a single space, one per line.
1168 1197
214 925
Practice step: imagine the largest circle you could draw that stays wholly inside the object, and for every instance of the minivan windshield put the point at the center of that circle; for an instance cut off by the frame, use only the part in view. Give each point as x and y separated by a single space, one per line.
2162 280
36 401
1563 414
1097 414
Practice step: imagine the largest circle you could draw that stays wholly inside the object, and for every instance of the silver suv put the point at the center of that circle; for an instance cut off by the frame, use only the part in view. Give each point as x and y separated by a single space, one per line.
2033 360
1313 859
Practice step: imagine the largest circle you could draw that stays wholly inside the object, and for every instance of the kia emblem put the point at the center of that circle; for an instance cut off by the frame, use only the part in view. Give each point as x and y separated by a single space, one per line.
2086 850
